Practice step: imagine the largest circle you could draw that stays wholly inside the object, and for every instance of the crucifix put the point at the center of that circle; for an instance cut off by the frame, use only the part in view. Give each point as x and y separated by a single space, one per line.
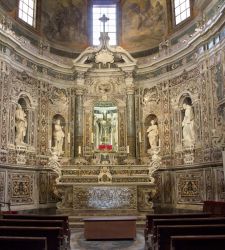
104 19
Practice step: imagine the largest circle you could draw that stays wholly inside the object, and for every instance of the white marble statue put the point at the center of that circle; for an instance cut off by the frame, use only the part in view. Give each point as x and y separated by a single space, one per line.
21 125
153 134
58 137
188 126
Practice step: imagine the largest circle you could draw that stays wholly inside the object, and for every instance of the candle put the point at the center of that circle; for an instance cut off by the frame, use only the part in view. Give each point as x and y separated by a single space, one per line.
139 136
79 150
49 144
92 137
128 150
68 138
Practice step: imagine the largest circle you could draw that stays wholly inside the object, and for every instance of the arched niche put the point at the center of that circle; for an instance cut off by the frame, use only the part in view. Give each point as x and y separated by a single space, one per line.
151 121
22 121
187 120
58 134
105 126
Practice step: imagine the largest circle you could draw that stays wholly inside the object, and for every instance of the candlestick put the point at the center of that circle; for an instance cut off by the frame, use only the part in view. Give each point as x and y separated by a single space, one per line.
68 138
139 136
49 144
128 149
92 137
79 150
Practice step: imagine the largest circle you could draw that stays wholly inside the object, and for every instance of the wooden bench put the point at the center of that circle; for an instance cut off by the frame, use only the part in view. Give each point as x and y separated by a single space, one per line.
23 243
165 232
115 227
197 242
149 219
53 234
216 208
66 228
184 221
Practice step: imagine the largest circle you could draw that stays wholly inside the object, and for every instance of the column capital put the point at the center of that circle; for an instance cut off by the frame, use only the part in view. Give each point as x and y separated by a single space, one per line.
130 89
79 91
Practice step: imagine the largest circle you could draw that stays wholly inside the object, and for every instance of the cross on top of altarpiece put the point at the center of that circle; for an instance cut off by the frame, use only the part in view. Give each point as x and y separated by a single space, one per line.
104 19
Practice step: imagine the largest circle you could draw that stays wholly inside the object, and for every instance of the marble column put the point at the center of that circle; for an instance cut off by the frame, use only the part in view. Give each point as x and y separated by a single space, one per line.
78 133
131 134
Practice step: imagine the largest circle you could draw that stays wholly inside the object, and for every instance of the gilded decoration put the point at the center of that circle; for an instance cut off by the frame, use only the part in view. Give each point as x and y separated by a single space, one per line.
21 188
105 197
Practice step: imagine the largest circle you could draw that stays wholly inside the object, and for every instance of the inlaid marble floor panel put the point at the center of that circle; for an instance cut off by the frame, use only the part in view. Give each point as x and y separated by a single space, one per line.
78 242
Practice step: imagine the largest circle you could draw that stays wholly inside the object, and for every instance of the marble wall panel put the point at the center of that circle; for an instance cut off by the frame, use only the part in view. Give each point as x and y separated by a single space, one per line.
21 187
220 185
2 186
43 187
52 198
190 187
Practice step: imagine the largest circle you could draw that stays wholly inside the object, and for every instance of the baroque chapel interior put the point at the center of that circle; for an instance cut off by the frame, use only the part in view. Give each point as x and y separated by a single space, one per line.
113 111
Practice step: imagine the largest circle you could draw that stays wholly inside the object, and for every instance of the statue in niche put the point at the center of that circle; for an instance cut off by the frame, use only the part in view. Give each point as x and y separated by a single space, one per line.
58 137
153 134
21 125
188 125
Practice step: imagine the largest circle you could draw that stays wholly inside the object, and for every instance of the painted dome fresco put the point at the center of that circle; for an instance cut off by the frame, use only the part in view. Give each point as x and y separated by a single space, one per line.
141 24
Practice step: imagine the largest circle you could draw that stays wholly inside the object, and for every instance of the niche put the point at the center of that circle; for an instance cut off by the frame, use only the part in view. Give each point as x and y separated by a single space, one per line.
151 132
58 134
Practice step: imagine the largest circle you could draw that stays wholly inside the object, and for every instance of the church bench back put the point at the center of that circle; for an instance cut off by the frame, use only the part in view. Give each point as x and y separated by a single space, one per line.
66 228
185 221
149 219
165 232
197 242
217 208
25 243
54 235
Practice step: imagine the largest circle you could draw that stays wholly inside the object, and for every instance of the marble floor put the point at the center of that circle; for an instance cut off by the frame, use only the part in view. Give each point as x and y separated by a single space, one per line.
78 242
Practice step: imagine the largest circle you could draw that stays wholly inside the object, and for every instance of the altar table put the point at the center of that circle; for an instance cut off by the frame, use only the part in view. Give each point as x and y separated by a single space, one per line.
110 227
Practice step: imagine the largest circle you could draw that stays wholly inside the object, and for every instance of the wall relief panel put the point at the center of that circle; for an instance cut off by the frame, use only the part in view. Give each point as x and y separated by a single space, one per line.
190 187
21 188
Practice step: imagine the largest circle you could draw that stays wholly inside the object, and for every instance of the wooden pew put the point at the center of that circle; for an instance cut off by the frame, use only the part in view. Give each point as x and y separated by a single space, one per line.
216 208
149 219
197 242
66 228
23 243
184 221
53 234
165 232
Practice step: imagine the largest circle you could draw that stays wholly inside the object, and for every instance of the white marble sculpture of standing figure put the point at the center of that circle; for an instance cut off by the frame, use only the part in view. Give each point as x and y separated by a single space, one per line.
21 125
58 137
153 134
188 125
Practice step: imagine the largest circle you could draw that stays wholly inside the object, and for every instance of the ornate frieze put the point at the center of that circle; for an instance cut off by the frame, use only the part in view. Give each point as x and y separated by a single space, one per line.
105 197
